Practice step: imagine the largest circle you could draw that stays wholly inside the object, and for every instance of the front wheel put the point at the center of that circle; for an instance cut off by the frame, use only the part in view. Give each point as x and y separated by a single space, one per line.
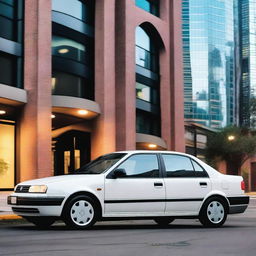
41 222
163 221
80 212
213 212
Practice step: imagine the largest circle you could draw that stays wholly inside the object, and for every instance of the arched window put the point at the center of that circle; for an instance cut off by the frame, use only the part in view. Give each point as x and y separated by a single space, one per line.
146 54
147 84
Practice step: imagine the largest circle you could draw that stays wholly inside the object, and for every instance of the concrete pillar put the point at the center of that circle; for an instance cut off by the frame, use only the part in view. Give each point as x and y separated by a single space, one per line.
176 67
34 126
125 76
104 133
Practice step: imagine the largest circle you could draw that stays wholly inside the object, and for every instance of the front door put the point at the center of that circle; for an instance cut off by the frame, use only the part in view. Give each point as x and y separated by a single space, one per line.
140 192
186 183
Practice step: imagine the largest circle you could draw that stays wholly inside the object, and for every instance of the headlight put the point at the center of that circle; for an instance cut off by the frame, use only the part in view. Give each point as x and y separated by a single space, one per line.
37 189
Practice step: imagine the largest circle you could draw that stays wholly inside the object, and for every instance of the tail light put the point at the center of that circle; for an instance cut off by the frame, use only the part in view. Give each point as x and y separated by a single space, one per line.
242 185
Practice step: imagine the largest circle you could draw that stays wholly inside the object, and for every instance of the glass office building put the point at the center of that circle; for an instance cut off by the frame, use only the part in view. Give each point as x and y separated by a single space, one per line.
247 25
209 61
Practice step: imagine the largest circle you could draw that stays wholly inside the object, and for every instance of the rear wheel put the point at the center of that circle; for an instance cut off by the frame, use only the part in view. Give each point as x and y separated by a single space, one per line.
163 221
213 212
80 212
41 222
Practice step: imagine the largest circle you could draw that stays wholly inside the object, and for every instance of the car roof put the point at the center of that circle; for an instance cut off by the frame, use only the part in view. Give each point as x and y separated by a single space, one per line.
153 151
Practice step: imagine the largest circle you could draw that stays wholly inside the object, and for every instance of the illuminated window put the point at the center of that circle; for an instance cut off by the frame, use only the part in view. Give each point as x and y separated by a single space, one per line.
7 164
67 48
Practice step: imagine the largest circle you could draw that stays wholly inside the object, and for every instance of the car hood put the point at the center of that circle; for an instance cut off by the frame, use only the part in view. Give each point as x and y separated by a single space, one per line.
54 179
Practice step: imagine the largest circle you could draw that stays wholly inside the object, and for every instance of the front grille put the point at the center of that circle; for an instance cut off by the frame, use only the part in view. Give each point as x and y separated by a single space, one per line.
22 189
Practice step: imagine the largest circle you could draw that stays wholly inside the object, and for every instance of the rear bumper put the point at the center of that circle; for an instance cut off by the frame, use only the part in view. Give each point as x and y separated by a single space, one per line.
238 204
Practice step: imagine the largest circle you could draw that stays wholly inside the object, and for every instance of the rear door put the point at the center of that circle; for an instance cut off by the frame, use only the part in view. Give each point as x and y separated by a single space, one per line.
140 192
186 182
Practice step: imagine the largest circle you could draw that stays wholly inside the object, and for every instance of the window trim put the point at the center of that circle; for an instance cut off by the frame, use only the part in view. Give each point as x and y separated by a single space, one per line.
206 175
161 174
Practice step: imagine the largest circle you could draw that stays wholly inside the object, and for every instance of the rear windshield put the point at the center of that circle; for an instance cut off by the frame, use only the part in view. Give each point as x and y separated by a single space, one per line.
100 165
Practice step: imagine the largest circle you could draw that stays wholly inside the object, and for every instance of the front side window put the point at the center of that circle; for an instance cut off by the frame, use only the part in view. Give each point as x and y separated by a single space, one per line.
141 166
178 166
101 164
67 48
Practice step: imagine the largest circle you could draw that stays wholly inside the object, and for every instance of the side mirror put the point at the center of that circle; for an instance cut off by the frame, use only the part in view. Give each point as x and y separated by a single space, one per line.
119 173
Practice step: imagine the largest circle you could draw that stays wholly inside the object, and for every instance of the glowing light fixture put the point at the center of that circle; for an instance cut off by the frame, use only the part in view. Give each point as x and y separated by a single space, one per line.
53 83
231 137
152 145
82 112
2 112
53 116
63 50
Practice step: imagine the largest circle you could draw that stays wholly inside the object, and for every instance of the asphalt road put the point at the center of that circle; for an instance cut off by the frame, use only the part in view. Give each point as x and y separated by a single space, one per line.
133 238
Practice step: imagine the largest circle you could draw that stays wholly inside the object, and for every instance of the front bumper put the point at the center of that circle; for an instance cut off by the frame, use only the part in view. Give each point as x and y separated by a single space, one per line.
238 204
36 205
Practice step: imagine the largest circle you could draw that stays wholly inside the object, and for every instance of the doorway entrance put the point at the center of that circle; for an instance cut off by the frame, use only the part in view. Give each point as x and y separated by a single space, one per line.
71 150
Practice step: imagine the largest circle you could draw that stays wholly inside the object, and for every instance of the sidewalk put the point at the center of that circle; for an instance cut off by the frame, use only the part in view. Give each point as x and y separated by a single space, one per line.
6 212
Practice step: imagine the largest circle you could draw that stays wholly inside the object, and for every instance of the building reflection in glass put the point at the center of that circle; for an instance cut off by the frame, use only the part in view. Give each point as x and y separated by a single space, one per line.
208 46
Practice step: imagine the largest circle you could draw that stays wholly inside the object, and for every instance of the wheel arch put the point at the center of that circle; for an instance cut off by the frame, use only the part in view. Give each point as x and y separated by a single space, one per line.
216 194
84 193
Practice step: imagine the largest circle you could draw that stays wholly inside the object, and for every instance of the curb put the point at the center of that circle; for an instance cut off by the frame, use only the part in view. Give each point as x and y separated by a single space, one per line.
10 217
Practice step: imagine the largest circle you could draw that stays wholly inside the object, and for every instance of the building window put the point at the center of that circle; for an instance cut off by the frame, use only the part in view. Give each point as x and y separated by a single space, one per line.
71 85
8 65
147 89
7 155
147 93
10 19
145 54
67 48
78 9
148 123
151 6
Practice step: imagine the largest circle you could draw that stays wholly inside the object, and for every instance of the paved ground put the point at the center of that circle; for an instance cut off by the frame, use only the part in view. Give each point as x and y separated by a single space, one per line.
183 237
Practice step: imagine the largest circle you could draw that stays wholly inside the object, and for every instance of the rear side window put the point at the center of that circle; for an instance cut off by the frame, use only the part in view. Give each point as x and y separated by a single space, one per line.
199 171
178 166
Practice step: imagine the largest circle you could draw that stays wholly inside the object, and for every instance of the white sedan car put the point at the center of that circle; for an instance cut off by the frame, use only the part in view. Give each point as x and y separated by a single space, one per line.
158 185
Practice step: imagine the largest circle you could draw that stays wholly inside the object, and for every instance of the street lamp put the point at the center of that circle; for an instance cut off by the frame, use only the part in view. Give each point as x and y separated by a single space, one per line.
231 137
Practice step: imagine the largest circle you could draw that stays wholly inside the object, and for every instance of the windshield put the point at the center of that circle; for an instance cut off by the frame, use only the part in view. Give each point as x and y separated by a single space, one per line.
100 165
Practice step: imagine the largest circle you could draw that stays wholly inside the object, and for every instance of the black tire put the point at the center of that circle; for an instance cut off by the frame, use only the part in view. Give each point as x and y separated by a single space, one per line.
164 221
81 212
213 212
41 222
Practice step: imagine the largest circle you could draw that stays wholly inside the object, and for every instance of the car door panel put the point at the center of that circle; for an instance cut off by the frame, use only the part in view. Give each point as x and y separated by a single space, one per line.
140 193
186 184
134 196
184 196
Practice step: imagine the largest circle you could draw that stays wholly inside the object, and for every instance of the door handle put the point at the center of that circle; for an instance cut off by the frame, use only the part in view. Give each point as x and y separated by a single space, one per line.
158 184
203 184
